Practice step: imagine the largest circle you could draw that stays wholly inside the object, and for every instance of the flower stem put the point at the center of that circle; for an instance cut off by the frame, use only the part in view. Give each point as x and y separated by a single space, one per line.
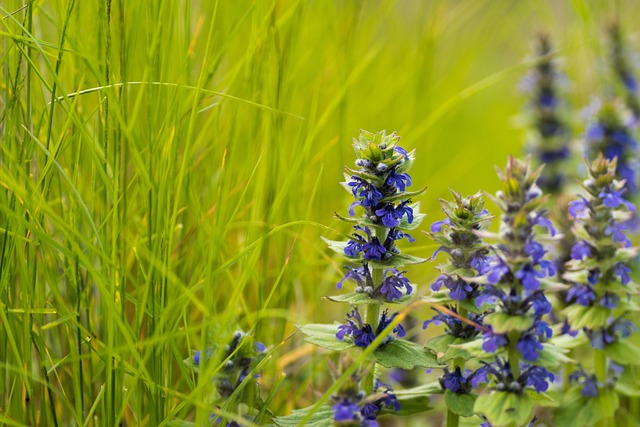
600 368
372 317
452 419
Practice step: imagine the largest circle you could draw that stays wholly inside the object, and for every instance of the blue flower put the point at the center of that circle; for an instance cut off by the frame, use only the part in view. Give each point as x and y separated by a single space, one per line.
385 320
371 246
453 381
370 195
609 300
391 285
359 275
345 410
397 234
356 184
540 220
389 400
496 270
582 294
529 346
402 151
399 180
481 263
459 290
581 250
491 342
540 304
436 227
589 383
579 209
616 230
489 295
534 249
538 377
362 334
388 215
595 132
391 216
529 277
622 271
612 199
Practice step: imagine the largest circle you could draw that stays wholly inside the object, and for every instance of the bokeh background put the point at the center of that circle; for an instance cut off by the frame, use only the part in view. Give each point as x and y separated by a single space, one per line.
167 170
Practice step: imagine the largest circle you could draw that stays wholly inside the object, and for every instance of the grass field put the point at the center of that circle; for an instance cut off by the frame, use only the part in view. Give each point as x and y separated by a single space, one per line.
167 170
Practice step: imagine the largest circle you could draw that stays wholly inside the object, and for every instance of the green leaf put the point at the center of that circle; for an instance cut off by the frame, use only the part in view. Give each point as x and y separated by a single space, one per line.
324 335
442 346
403 196
460 403
552 356
404 354
414 400
623 352
503 409
503 323
398 260
580 317
322 418
577 410
475 349
356 298
541 399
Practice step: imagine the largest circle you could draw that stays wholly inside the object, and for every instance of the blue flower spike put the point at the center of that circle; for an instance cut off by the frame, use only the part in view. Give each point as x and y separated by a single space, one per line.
599 275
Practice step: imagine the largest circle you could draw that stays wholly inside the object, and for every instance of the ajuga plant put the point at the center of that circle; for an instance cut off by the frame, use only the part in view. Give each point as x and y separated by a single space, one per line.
622 69
611 133
514 349
455 291
375 271
600 293
549 139
236 391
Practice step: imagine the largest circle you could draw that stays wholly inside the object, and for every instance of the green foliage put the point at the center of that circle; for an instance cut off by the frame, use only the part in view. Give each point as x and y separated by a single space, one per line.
504 409
503 323
356 298
460 403
404 354
414 400
321 418
444 346
578 410
324 336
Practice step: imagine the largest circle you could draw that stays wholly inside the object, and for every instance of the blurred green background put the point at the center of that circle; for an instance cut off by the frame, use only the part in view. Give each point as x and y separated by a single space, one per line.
178 195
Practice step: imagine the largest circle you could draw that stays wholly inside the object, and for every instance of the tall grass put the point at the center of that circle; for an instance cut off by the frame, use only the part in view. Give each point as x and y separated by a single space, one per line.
165 167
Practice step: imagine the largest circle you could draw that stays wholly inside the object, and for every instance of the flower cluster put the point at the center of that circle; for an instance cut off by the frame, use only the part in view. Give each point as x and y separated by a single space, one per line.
362 334
611 132
513 281
458 236
352 407
549 143
598 271
588 383
379 186
240 358
503 379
